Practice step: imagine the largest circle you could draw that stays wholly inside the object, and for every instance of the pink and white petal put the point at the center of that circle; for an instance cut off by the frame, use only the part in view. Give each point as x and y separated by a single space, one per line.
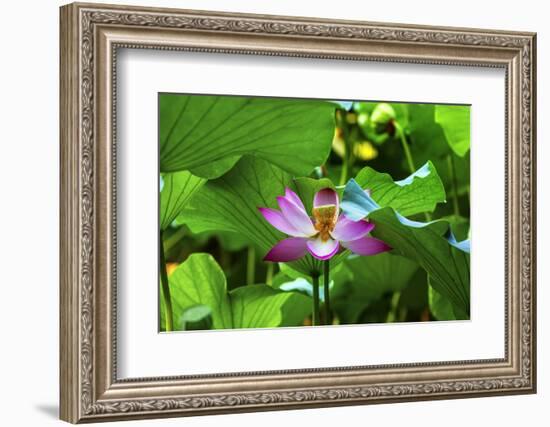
367 246
293 197
326 197
296 216
322 249
277 220
287 250
346 229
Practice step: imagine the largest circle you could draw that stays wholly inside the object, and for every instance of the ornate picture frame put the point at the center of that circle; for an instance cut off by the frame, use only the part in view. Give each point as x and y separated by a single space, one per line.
90 37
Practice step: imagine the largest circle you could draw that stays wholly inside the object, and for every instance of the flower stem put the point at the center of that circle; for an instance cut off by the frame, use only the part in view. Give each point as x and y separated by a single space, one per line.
251 265
169 317
451 167
392 315
328 314
408 156
348 148
170 241
344 173
269 274
406 149
315 314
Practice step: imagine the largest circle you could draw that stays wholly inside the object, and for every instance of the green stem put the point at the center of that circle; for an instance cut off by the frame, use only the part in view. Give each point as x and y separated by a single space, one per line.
392 315
347 153
315 314
408 156
406 149
344 173
169 317
451 166
326 273
251 265
176 236
269 273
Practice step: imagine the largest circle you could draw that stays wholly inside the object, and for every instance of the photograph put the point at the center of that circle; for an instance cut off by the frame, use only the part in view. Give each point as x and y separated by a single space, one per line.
292 212
269 212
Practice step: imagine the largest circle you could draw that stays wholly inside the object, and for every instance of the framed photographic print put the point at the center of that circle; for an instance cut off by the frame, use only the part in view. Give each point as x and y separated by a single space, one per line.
264 212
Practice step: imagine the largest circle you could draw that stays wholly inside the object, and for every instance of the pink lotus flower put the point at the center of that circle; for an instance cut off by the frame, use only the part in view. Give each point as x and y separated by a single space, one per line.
320 235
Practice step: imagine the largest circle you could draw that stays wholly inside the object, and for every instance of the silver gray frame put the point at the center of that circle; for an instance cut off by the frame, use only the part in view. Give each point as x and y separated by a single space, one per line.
90 37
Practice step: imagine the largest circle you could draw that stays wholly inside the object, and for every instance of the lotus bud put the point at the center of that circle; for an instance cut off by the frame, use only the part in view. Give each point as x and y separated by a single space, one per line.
382 118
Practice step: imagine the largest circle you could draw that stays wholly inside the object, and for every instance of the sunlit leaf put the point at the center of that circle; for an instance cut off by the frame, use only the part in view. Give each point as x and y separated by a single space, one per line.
430 142
177 190
427 136
261 306
231 203
200 281
447 266
419 192
455 121
195 318
207 135
425 243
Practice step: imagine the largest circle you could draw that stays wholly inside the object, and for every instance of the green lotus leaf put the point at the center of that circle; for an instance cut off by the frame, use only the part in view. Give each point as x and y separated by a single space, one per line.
175 194
419 192
432 244
231 203
455 121
207 135
199 281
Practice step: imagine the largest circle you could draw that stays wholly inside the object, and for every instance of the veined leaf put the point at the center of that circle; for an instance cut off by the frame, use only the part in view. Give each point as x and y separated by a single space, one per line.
431 244
177 190
429 141
261 306
231 203
196 318
207 135
373 276
200 281
447 266
419 192
376 275
440 307
455 121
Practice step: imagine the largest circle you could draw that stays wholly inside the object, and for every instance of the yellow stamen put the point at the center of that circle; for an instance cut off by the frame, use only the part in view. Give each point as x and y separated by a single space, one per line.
325 220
